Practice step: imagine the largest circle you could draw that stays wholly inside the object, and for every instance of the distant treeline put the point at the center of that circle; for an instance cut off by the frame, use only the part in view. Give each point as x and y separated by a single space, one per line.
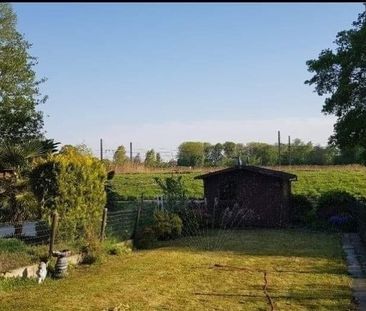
203 154
255 153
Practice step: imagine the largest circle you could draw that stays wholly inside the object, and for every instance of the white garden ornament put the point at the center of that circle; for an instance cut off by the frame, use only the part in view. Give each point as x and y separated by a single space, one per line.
42 272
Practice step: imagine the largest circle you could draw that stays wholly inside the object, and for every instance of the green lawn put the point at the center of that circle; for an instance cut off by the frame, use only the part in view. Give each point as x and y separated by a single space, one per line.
312 181
221 271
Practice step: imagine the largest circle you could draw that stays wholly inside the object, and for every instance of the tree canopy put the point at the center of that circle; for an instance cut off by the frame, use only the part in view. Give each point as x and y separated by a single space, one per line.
120 156
340 75
19 87
191 153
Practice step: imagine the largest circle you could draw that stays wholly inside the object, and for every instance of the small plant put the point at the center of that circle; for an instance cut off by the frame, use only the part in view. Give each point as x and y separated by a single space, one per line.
344 223
302 210
338 210
336 203
145 238
112 248
91 249
167 225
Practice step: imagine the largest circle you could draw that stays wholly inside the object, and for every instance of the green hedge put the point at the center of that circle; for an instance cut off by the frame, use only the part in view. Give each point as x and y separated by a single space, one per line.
73 184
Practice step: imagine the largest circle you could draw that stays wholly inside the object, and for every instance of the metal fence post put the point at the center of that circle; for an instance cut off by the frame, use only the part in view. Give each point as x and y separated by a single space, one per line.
53 233
104 223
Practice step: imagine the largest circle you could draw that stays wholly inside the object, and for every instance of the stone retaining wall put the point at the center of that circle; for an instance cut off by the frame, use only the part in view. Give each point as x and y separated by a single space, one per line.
31 270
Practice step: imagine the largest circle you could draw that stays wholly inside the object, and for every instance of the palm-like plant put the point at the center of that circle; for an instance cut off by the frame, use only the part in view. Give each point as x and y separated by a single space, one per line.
17 202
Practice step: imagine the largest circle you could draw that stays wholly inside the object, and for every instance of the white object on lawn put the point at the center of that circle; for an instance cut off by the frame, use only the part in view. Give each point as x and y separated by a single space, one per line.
42 272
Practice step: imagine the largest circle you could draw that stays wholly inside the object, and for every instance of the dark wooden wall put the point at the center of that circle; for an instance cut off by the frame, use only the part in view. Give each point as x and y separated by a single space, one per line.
267 197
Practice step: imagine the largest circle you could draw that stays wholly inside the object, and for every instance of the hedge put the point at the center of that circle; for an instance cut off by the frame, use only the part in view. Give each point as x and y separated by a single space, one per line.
72 184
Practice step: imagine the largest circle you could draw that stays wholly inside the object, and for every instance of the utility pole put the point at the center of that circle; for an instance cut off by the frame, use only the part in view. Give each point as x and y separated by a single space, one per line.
131 151
289 150
101 149
279 148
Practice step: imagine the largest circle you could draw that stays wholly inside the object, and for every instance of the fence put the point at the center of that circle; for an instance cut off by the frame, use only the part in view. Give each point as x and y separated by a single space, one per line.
41 237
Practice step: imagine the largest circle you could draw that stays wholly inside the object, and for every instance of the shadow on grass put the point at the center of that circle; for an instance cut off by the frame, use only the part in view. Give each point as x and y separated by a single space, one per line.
315 297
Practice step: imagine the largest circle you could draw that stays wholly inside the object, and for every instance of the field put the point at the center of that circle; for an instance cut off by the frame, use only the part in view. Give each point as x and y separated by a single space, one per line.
312 181
303 271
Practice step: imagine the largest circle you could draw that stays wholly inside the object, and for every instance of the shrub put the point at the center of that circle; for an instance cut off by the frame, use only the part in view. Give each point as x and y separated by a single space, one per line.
91 248
302 210
176 225
145 238
167 225
190 220
73 184
344 223
333 203
112 247
362 220
338 209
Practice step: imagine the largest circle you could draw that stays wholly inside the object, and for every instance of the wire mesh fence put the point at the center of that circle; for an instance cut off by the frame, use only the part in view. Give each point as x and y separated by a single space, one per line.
30 232
121 224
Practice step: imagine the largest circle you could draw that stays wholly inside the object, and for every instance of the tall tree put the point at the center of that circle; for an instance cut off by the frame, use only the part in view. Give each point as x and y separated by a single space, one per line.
120 156
230 150
341 74
191 153
19 87
159 160
150 158
261 153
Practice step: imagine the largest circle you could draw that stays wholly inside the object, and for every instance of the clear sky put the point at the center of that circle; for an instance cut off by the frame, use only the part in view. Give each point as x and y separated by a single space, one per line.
159 74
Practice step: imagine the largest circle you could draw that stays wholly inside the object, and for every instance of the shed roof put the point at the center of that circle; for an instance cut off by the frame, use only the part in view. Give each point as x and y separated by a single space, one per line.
250 168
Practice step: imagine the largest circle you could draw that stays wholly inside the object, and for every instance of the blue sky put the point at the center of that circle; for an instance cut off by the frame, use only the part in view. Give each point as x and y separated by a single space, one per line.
158 74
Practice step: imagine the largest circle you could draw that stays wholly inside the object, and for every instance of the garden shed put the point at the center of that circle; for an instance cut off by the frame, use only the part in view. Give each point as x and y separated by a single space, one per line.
266 193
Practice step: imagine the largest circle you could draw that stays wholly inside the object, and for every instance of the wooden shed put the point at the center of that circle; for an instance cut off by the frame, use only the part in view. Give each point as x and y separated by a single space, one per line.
266 193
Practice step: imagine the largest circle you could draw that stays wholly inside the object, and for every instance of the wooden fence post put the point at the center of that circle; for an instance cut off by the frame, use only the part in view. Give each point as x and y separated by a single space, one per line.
139 208
53 233
104 223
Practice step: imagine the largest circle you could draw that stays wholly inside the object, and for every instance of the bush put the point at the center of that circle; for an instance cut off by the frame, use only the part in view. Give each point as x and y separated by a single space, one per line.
91 248
112 247
73 184
338 209
190 220
302 210
362 220
333 203
145 238
167 225
344 223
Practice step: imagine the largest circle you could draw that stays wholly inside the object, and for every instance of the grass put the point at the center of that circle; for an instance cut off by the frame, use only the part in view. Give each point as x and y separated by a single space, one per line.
312 181
15 253
305 271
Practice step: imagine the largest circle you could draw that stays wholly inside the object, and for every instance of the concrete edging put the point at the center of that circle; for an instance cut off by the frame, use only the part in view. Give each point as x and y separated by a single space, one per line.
30 271
353 247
